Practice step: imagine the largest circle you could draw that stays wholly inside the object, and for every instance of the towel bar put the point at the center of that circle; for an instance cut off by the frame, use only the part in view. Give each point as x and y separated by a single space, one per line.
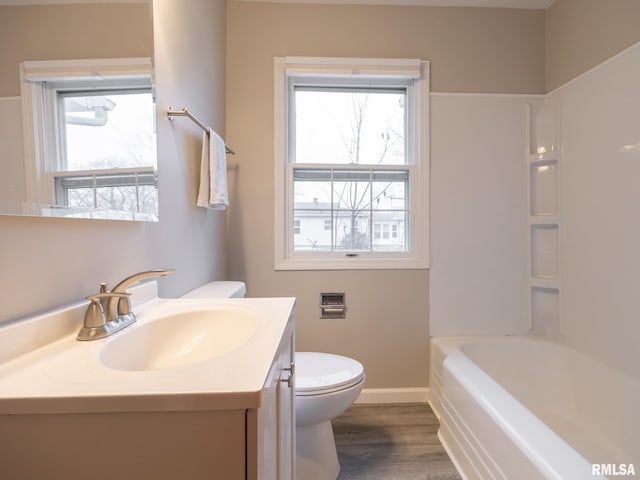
186 113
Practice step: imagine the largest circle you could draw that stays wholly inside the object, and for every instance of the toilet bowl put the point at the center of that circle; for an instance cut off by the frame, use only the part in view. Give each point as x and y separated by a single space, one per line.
325 386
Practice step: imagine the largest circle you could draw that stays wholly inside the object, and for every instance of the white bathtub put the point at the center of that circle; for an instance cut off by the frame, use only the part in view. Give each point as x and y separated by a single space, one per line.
524 408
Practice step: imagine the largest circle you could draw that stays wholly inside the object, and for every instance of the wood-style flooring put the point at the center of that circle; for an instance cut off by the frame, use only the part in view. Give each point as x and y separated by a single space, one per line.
391 442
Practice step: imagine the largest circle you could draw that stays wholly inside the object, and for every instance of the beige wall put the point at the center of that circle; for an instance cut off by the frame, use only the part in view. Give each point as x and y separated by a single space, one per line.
49 262
62 32
471 50
484 50
580 34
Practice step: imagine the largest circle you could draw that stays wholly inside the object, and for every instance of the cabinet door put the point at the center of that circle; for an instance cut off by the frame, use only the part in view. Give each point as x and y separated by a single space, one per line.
286 411
271 428
262 431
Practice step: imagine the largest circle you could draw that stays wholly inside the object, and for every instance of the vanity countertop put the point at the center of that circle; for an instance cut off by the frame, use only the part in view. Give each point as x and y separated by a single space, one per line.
68 376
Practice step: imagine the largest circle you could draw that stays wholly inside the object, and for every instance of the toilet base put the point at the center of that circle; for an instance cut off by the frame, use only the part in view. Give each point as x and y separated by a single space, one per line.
316 456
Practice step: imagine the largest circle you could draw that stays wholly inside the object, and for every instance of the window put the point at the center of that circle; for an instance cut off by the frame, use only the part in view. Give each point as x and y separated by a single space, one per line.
120 119
94 135
352 163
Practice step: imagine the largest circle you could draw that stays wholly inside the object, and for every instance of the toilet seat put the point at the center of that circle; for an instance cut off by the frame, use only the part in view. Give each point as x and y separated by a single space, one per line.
322 373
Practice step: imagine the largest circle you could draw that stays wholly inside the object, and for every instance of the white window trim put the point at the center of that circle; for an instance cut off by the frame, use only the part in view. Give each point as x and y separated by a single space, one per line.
418 256
36 100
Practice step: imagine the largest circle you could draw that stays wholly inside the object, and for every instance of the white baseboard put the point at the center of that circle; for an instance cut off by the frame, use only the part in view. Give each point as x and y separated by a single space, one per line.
393 395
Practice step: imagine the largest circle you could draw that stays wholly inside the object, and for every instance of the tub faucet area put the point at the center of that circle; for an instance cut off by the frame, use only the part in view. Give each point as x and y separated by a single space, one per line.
117 305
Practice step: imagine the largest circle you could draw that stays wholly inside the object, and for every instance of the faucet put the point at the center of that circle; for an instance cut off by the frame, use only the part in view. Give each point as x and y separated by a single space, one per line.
117 303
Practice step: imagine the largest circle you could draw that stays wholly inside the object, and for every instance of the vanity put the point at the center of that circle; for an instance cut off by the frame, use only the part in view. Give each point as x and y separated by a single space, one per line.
194 389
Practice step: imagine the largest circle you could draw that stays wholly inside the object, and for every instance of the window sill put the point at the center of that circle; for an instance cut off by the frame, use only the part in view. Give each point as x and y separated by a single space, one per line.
352 263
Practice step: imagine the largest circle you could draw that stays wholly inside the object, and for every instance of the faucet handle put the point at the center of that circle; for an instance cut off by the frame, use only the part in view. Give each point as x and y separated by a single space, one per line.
94 325
124 305
94 316
96 308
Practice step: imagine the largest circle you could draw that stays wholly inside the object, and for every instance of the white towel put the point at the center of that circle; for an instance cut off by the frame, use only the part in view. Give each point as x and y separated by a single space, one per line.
213 173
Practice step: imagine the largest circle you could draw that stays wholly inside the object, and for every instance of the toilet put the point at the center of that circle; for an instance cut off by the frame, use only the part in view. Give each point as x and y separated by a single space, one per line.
325 386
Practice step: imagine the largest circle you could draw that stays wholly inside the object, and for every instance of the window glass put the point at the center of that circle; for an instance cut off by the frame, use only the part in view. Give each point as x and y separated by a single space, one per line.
120 175
121 122
350 126
338 206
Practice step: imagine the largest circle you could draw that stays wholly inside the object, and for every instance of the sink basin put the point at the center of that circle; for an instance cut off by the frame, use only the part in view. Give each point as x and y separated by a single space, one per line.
183 354
179 339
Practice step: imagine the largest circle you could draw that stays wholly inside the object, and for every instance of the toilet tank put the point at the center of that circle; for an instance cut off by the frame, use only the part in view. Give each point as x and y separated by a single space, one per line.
218 290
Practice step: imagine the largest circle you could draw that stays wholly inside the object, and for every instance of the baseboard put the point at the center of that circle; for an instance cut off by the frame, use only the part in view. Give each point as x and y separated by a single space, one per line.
393 395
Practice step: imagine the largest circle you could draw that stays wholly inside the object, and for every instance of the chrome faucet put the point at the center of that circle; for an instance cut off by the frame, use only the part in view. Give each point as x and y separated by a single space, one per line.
117 303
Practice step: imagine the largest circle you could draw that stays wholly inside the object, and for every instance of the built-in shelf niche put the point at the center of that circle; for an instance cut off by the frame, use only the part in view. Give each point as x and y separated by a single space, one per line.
544 251
545 310
543 176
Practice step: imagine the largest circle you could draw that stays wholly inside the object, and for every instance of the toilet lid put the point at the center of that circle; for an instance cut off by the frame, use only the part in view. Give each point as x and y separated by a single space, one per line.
321 372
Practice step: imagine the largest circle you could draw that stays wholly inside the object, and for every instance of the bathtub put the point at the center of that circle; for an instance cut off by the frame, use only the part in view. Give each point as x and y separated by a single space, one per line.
525 408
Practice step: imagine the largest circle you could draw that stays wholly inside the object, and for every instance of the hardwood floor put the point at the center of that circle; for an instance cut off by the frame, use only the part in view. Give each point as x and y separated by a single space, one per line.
391 442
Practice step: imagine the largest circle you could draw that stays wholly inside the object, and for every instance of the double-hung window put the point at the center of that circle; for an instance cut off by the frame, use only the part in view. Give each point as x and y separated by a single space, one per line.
92 127
351 163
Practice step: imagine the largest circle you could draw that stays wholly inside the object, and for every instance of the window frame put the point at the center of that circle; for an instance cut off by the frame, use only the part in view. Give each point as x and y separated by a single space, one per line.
291 71
43 83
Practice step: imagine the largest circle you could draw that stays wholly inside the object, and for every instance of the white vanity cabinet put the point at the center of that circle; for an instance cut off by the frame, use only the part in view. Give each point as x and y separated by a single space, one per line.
271 428
192 423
